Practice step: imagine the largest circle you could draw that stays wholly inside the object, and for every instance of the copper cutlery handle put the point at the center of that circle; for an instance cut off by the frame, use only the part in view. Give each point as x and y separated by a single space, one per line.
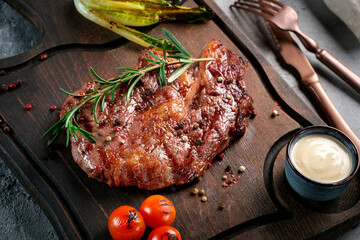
331 112
340 69
329 60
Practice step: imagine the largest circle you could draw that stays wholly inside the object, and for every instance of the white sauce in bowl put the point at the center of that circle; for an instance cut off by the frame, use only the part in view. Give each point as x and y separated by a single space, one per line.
321 158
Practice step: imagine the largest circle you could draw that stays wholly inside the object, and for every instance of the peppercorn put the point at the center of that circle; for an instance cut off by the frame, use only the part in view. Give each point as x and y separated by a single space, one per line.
222 155
253 115
228 168
28 107
229 80
195 191
185 138
220 79
199 179
224 177
18 83
198 141
53 108
4 88
204 199
117 121
137 107
228 96
108 139
202 192
195 125
11 86
43 57
221 206
242 169
201 123
180 125
117 128
6 128
274 113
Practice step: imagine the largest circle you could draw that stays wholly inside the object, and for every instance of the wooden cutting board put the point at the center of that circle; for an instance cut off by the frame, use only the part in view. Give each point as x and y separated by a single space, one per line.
260 206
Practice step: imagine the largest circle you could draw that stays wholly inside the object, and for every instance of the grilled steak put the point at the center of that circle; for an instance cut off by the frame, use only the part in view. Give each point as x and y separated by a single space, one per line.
165 135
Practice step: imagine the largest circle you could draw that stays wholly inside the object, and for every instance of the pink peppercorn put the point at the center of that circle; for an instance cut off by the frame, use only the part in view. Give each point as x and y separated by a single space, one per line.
209 165
232 176
117 129
28 107
53 108
43 57
12 86
123 136
235 182
222 155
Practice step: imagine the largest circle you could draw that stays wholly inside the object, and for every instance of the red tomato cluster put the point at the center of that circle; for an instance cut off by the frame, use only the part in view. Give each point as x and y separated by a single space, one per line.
158 212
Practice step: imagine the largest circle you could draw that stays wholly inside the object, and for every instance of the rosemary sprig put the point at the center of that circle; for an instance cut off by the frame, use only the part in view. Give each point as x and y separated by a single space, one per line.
131 76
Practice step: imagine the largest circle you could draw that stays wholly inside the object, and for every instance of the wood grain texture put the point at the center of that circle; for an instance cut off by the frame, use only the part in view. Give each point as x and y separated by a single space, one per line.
79 207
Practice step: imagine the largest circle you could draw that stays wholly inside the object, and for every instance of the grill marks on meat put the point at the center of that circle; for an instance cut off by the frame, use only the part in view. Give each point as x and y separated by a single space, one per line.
173 132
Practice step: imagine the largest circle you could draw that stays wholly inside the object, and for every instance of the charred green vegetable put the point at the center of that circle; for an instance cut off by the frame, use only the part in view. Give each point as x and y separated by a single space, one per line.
118 15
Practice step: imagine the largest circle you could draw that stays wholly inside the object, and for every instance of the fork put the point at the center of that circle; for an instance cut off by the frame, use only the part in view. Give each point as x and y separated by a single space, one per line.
285 18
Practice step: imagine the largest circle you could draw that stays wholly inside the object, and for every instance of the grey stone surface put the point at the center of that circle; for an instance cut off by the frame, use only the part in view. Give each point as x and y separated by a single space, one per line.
21 217
14 29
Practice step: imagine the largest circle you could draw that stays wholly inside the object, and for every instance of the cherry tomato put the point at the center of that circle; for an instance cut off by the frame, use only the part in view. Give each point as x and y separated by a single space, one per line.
126 223
164 233
157 211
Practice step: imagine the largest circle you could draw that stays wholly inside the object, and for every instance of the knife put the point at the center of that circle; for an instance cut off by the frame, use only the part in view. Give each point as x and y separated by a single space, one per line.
292 55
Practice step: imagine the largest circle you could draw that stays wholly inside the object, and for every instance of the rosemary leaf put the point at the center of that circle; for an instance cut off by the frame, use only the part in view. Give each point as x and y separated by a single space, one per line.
128 94
178 56
97 76
67 136
163 76
95 107
56 125
113 93
72 94
56 135
178 72
154 56
102 105
175 42
164 51
127 68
